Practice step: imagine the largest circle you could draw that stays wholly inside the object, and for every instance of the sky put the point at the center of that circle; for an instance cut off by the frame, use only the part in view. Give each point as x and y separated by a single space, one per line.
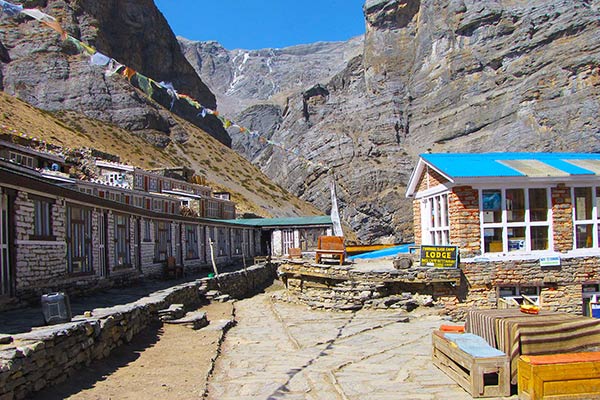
259 24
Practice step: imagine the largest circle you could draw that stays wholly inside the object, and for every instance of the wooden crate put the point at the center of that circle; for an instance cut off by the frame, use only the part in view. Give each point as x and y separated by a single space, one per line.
560 376
480 377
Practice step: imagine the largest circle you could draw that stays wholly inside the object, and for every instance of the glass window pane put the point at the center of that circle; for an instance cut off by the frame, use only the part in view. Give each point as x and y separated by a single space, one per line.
515 205
516 238
583 203
598 202
539 238
538 205
491 204
583 236
492 240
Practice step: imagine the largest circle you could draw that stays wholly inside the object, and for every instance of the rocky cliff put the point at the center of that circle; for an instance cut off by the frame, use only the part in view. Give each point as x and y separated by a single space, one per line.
40 68
459 75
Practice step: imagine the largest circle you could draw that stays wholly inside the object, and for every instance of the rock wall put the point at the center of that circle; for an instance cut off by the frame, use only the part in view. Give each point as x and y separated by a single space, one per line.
47 356
460 75
341 288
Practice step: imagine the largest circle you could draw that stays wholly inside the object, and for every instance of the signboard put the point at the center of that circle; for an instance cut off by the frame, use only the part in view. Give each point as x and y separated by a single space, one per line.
439 256
553 261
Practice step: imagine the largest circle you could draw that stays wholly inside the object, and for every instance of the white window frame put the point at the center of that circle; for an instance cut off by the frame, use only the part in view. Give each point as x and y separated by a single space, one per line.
435 220
526 223
594 221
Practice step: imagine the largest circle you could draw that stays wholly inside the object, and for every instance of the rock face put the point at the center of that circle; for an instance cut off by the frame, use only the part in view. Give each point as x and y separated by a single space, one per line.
459 75
38 67
242 78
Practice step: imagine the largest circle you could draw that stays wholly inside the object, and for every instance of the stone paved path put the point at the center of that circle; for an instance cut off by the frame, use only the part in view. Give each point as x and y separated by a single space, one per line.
280 350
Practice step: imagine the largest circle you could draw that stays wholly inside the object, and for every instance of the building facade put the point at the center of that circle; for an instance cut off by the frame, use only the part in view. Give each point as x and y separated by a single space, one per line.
59 237
526 224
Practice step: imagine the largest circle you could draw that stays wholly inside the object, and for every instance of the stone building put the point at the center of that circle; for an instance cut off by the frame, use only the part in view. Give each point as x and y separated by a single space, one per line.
281 234
526 224
64 236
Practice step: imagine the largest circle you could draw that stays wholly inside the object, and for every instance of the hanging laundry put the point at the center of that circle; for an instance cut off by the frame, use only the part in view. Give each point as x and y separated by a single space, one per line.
10 9
99 59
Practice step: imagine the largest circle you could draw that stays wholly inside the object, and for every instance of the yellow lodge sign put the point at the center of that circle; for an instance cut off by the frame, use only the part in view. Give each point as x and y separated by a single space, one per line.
439 256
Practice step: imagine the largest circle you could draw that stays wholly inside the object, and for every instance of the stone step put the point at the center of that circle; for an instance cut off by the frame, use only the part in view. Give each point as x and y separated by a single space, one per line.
194 319
175 311
222 298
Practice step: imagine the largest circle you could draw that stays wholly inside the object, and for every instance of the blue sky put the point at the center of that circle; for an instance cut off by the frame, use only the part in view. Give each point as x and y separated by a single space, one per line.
257 24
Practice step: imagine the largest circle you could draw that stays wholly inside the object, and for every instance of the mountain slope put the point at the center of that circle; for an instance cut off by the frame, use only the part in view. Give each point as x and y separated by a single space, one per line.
460 75
223 168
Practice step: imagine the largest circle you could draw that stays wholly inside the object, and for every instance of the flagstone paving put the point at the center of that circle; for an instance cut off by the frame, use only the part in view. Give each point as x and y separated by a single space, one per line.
280 350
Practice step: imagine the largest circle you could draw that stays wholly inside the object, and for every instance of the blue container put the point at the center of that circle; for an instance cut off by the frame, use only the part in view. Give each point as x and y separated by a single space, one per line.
56 308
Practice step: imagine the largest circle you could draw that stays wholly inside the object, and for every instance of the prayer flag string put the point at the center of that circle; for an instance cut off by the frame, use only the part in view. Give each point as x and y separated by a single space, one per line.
144 83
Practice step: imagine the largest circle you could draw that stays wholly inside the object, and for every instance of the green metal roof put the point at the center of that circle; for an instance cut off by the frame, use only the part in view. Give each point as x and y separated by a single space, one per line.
280 222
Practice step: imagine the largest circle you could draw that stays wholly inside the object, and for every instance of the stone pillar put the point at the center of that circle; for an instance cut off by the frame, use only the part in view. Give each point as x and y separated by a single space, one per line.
562 218
463 210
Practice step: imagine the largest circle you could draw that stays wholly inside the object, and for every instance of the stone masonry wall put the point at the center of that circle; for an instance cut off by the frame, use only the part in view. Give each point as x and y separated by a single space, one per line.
48 356
562 218
417 223
341 288
561 287
463 211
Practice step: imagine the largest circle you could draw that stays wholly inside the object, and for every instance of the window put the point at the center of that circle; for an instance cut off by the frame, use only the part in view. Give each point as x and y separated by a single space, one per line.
435 220
514 296
122 240
162 248
139 182
79 240
147 234
42 219
191 239
586 216
237 241
515 220
21 159
222 242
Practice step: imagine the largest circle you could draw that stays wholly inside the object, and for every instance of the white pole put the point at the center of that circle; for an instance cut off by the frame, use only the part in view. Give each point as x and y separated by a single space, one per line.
212 257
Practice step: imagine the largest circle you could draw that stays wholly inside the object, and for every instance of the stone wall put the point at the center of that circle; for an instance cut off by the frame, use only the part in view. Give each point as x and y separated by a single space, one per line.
463 212
560 286
49 355
342 288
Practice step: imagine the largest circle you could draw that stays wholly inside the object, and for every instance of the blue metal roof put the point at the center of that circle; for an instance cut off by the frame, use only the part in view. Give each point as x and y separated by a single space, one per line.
470 165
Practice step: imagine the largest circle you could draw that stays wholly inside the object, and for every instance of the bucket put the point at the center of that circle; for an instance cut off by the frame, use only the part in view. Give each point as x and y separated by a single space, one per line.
56 308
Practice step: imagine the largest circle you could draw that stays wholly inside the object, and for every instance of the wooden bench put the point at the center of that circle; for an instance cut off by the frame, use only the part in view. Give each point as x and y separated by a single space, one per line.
559 376
331 245
477 367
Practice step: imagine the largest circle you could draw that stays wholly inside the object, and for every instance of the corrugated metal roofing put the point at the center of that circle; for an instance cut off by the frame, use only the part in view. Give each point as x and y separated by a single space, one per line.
291 221
468 165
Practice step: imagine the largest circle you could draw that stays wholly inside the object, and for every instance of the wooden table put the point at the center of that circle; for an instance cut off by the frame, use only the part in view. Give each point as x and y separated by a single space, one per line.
516 333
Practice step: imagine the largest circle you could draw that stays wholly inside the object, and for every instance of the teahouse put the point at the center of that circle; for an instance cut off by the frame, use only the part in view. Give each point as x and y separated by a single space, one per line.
524 223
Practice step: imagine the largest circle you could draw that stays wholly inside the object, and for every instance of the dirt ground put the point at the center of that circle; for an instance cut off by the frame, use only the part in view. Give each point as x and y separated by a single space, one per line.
162 362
